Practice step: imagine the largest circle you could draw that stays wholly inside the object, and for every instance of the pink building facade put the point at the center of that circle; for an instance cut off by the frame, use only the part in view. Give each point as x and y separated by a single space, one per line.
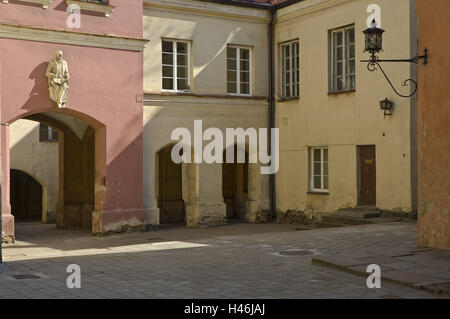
101 165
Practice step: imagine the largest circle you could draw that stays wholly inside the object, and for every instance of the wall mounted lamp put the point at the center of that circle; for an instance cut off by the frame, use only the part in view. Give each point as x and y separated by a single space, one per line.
374 44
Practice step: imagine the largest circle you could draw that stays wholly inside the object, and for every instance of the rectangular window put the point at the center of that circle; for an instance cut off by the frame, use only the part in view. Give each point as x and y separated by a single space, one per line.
290 70
239 71
176 66
47 134
319 170
342 59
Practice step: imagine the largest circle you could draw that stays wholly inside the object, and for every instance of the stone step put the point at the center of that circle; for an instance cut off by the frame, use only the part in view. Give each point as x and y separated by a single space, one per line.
351 221
358 213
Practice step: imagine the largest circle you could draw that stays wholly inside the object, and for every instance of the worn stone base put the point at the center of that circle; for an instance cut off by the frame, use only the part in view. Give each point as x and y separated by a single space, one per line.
8 228
152 217
74 216
118 221
206 214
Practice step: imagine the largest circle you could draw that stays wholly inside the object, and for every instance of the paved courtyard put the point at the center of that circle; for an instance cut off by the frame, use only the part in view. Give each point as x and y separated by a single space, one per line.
235 261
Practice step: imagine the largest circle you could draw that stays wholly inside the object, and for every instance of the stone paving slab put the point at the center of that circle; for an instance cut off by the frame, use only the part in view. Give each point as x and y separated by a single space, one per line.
405 267
229 262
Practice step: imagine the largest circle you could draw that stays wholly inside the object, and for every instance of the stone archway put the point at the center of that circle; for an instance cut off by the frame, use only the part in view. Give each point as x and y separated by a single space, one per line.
82 169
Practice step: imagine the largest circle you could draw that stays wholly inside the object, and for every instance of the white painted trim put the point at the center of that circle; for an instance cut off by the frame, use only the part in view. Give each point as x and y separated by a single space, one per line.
71 38
45 3
322 173
238 70
91 6
175 66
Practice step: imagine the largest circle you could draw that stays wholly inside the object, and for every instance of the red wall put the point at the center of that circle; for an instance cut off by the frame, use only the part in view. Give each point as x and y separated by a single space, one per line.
126 19
434 125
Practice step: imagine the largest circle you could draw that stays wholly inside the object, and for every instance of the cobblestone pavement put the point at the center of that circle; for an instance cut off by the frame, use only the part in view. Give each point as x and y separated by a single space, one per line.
235 261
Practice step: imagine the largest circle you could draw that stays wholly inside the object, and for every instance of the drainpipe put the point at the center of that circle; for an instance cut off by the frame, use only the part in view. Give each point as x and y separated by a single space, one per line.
272 177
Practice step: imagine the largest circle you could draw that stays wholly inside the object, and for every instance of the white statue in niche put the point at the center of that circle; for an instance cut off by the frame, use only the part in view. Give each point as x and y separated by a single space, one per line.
58 79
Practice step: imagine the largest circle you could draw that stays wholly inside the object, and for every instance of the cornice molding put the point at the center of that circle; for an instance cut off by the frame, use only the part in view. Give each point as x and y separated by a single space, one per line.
209 9
45 3
92 6
154 99
305 8
71 38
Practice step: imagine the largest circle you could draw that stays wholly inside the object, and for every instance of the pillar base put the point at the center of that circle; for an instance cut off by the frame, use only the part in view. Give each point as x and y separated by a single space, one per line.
152 217
252 210
118 221
206 214
8 228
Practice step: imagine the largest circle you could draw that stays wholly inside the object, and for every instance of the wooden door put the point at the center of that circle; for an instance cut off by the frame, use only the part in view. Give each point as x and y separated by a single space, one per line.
367 176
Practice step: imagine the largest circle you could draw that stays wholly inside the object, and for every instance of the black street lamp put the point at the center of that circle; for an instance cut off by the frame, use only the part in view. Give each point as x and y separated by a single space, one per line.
374 45
386 106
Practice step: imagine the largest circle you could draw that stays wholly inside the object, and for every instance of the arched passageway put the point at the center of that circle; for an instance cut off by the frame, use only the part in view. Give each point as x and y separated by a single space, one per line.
169 190
26 197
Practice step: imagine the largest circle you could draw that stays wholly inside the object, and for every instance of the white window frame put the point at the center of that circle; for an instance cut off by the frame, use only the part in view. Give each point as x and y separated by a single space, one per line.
322 189
238 70
292 70
345 59
175 66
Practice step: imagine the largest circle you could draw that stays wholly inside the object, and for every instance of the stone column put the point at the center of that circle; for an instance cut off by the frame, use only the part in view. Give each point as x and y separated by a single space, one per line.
205 206
7 217
150 180
254 193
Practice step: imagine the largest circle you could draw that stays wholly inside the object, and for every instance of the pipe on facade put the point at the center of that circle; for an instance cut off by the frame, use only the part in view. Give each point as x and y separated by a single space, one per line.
271 35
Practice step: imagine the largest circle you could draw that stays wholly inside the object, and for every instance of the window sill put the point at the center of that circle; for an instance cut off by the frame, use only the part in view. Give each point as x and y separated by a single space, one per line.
91 6
318 193
341 92
45 3
289 99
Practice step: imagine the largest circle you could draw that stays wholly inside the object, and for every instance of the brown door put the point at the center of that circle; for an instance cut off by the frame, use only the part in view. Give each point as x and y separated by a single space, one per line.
367 176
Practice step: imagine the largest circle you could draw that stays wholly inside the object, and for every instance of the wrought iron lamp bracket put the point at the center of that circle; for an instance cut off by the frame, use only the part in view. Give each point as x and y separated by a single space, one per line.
374 62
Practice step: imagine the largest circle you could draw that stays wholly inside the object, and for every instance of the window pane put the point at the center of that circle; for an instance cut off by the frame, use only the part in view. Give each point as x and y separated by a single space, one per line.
167 71
245 65
182 47
231 64
231 53
168 84
288 91
339 54
167 46
325 182
317 155
317 182
245 77
167 58
232 88
325 169
317 168
182 72
325 155
245 88
245 54
182 84
182 60
232 76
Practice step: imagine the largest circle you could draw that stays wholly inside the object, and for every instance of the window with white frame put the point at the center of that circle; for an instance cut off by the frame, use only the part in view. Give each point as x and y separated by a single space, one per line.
239 70
176 66
319 169
342 59
290 71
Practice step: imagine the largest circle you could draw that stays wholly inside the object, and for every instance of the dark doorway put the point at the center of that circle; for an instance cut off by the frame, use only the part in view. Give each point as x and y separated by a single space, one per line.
26 197
367 175
235 185
169 188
